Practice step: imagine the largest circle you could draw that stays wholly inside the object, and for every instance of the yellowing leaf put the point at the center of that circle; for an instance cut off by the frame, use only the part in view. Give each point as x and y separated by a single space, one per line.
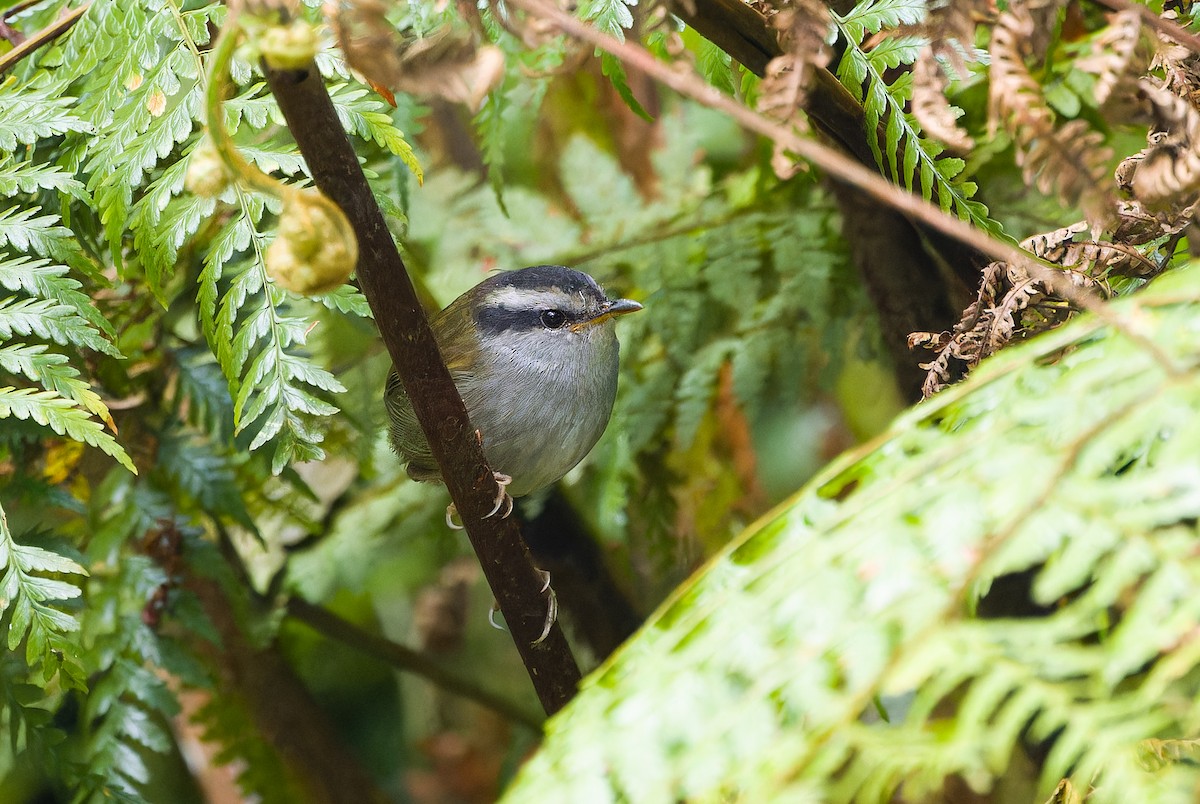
156 103
61 459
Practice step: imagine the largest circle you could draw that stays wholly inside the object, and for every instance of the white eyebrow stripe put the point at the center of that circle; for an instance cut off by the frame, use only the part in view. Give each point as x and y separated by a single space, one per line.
516 299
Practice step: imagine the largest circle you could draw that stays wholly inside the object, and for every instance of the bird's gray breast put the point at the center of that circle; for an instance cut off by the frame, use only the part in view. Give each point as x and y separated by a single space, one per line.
548 403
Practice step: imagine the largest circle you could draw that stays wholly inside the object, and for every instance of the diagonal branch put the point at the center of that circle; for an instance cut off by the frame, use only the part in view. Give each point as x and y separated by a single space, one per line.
913 274
48 34
333 627
848 171
1166 27
385 282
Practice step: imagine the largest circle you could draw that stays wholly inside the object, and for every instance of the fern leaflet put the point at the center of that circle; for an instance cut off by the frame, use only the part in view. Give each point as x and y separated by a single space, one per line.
29 596
63 416
910 159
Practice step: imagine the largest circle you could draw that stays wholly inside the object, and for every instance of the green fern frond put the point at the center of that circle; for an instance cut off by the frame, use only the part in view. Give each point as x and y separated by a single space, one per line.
42 235
161 224
362 113
154 111
124 715
63 416
204 400
254 341
347 299
54 373
203 476
612 69
715 65
275 156
253 104
43 279
872 16
490 129
28 177
29 114
861 589
611 16
29 598
696 388
227 723
910 159
51 320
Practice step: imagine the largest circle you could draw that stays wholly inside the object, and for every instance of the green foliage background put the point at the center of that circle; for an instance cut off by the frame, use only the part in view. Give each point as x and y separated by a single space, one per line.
236 435
754 677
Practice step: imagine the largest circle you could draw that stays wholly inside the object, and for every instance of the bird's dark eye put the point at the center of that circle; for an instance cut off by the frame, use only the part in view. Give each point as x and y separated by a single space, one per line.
553 319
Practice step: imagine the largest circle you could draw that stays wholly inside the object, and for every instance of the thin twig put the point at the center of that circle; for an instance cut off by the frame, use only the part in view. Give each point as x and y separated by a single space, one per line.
682 79
9 33
405 658
19 7
1167 28
60 26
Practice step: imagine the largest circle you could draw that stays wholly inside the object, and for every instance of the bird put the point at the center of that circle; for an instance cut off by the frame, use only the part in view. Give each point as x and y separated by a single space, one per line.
534 355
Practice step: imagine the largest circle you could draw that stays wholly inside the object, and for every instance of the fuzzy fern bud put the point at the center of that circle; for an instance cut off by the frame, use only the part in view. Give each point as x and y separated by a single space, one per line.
288 47
207 176
315 249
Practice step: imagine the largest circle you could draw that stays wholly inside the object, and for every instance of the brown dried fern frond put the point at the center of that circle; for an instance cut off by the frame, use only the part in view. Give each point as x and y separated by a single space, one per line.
1137 225
955 21
1166 174
1013 305
448 63
1069 160
783 92
1180 66
949 28
938 118
1121 55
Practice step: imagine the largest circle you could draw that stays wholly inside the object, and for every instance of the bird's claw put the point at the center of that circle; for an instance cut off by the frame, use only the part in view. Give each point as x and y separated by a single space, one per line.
503 498
551 606
492 616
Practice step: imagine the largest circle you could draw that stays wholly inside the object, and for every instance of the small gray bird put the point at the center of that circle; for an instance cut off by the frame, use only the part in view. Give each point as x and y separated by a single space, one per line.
534 355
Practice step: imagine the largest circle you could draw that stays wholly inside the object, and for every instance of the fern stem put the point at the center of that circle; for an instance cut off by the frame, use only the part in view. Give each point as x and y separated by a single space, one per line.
214 99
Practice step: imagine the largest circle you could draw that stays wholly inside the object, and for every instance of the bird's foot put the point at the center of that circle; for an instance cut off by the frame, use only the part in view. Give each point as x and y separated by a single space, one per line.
503 498
551 608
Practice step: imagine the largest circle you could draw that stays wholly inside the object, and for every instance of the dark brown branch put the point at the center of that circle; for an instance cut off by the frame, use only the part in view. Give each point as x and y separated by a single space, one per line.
734 27
598 610
389 290
49 34
748 38
897 258
280 706
405 658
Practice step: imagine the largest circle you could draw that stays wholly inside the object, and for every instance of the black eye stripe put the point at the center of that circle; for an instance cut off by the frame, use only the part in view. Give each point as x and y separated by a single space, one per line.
494 319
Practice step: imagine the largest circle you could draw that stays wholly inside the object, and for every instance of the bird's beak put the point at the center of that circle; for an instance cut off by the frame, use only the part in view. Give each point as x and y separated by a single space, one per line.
610 310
